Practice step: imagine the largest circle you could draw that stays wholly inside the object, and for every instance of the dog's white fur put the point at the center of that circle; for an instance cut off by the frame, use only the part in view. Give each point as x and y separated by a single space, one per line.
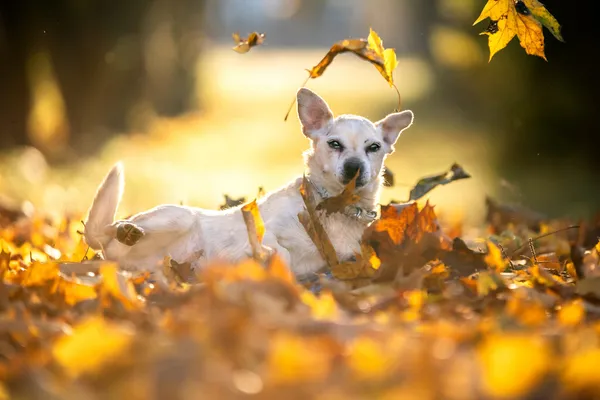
195 235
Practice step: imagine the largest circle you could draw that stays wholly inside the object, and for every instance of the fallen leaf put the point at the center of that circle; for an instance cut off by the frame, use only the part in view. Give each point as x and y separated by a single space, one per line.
500 216
588 287
494 258
498 355
118 286
40 273
75 291
369 359
295 359
365 265
461 260
92 345
4 261
404 238
571 313
489 282
579 372
425 185
244 45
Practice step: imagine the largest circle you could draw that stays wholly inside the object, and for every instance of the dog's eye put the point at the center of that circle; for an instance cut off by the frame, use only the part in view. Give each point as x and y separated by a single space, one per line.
373 148
334 144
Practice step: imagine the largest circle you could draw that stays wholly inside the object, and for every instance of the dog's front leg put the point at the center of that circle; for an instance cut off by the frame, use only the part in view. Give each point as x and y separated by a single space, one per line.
271 243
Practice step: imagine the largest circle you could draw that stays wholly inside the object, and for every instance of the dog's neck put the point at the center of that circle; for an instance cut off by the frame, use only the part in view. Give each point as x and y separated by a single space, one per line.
364 209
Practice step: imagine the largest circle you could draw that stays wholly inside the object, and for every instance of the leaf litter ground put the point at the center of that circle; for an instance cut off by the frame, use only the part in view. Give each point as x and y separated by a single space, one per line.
418 314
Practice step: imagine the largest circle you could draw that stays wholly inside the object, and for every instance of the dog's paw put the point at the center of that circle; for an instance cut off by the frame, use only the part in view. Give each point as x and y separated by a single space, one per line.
128 233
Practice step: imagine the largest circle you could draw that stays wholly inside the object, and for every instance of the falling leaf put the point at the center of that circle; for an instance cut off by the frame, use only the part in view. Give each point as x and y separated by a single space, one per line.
387 55
93 344
256 229
244 45
370 49
540 13
523 19
346 198
356 46
425 185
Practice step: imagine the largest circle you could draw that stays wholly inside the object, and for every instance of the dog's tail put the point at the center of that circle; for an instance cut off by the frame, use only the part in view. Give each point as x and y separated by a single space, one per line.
103 209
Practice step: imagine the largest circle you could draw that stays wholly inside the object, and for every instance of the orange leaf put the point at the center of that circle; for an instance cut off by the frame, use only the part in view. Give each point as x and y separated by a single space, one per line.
119 286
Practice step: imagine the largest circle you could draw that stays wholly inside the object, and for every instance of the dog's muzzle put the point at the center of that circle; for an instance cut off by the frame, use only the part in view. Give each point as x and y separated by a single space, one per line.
354 166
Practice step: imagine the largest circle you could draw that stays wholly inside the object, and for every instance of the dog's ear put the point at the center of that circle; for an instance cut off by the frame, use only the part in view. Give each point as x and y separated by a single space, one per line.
313 112
392 126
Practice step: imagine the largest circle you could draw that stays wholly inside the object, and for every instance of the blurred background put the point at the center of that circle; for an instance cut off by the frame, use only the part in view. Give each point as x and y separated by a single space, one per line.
155 83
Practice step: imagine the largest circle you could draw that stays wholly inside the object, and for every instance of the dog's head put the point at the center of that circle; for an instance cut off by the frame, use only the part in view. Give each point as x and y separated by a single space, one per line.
347 145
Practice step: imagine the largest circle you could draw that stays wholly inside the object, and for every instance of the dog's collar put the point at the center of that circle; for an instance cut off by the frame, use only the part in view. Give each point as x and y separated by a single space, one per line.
352 211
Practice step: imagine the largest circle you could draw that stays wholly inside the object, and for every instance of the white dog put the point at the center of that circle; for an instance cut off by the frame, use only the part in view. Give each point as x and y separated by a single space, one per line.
340 149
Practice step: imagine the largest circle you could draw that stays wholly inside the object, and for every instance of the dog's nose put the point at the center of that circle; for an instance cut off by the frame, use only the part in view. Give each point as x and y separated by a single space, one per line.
351 167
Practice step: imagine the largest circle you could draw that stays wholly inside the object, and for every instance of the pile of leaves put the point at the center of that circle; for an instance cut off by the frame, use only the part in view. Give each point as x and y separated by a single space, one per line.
423 312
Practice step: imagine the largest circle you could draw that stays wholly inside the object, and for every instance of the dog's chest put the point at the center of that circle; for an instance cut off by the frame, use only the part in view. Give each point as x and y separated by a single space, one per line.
343 231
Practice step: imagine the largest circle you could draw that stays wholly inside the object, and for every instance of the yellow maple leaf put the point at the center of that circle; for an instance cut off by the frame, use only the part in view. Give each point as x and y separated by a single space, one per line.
92 344
294 359
494 257
368 359
498 355
388 57
580 370
323 307
118 286
571 313
39 273
74 291
510 18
